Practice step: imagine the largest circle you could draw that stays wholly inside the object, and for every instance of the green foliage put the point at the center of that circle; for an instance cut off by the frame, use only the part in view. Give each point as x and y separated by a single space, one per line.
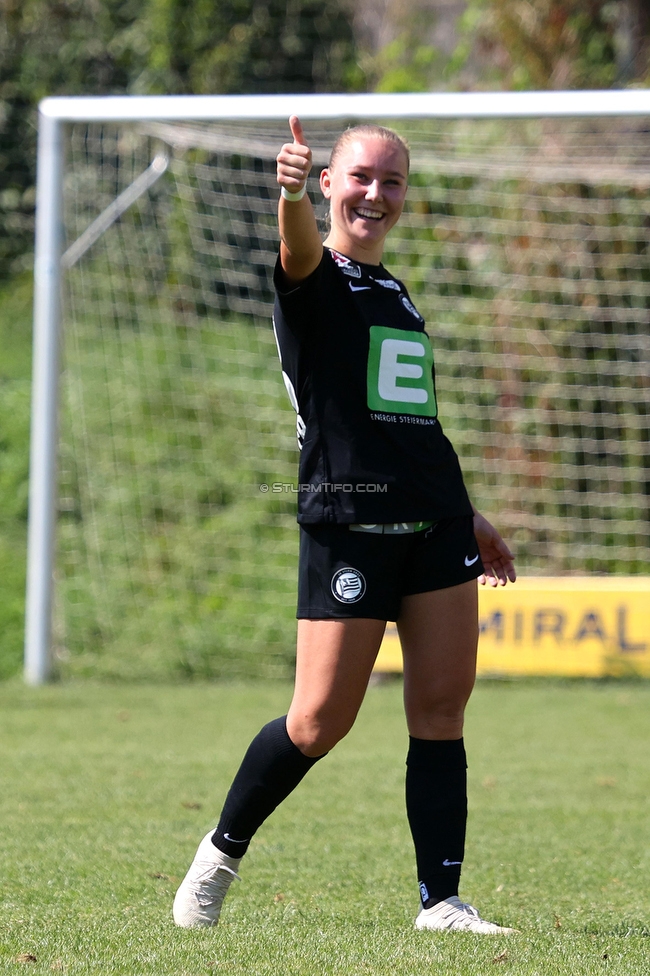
408 62
107 791
238 46
545 45
70 47
100 47
405 65
245 46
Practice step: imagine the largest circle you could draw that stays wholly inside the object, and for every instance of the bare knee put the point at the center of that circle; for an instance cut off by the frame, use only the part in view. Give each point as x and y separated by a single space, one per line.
436 725
315 735
436 717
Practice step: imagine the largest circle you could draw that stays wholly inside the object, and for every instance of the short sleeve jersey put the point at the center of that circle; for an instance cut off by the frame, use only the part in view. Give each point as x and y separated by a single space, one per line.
358 367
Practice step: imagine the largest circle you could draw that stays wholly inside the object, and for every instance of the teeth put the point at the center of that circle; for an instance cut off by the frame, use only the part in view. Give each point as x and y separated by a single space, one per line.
372 214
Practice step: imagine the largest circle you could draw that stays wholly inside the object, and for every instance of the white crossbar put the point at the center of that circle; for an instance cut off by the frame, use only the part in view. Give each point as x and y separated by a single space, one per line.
114 108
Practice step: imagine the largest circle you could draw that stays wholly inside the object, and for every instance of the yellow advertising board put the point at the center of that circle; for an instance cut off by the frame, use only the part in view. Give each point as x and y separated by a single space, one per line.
567 626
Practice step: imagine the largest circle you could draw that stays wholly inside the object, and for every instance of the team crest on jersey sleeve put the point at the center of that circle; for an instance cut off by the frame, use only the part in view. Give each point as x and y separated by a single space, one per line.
410 307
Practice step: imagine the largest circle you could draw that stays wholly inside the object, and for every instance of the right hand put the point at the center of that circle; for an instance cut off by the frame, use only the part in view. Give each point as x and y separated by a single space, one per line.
294 159
495 555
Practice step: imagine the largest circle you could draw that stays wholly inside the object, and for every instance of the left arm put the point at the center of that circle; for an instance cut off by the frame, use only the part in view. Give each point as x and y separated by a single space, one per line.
495 555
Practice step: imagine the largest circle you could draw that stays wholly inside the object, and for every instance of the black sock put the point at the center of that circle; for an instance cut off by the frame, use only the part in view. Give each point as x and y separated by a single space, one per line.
436 805
271 769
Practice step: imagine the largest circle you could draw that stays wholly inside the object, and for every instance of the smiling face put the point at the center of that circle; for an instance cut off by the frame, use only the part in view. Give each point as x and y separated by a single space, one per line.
366 187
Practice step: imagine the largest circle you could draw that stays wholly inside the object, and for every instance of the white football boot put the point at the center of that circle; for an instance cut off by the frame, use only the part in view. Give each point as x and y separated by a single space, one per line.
199 899
453 915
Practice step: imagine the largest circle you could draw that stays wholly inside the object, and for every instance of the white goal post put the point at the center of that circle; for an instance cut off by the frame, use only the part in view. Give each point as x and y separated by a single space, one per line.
56 114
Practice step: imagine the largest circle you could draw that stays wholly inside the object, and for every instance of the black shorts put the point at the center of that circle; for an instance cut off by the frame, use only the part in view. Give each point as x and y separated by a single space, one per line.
343 573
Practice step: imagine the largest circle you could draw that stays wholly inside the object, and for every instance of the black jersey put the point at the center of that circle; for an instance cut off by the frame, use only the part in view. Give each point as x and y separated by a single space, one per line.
358 367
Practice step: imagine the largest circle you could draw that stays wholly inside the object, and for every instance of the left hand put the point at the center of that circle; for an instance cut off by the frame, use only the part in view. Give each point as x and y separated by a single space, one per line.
495 555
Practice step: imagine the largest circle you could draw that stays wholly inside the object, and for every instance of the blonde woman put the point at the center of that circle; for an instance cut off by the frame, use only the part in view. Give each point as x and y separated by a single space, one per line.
387 529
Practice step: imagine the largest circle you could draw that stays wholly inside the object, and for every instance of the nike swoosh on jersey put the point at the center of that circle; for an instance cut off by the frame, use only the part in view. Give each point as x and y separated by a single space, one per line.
359 287
470 562
448 864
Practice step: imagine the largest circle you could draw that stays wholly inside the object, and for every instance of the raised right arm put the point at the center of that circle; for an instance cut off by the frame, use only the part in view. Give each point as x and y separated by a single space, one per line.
301 248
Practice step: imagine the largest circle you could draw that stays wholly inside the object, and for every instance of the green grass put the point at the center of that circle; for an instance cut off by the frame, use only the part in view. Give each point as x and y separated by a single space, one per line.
107 790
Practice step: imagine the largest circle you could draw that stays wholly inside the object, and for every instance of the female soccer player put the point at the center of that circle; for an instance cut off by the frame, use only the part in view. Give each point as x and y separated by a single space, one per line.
387 529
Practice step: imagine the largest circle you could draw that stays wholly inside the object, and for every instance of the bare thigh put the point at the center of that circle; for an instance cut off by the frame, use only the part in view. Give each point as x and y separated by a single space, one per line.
439 635
333 666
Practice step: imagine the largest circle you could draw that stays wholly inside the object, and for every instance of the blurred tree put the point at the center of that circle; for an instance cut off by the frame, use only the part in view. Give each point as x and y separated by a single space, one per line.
405 64
553 44
633 41
235 46
400 49
160 46
67 46
244 46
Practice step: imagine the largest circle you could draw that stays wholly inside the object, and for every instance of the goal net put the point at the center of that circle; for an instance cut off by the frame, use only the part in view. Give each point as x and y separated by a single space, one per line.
524 244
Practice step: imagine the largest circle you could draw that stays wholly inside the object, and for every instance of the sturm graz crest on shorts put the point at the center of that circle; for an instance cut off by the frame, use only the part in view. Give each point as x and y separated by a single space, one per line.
348 585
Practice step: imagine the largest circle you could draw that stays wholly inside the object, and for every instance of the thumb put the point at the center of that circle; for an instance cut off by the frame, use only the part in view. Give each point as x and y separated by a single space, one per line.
296 131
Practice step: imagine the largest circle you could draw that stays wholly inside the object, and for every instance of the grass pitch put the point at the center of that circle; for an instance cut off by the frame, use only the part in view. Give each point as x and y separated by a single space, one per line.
107 790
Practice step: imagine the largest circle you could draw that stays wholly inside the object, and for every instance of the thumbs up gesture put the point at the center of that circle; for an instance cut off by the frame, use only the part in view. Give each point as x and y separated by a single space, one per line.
294 159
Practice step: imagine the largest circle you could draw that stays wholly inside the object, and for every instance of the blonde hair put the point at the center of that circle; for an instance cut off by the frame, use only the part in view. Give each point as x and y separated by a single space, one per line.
375 131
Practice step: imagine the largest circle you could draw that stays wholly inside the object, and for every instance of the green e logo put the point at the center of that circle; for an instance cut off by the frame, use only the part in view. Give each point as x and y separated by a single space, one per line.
400 372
